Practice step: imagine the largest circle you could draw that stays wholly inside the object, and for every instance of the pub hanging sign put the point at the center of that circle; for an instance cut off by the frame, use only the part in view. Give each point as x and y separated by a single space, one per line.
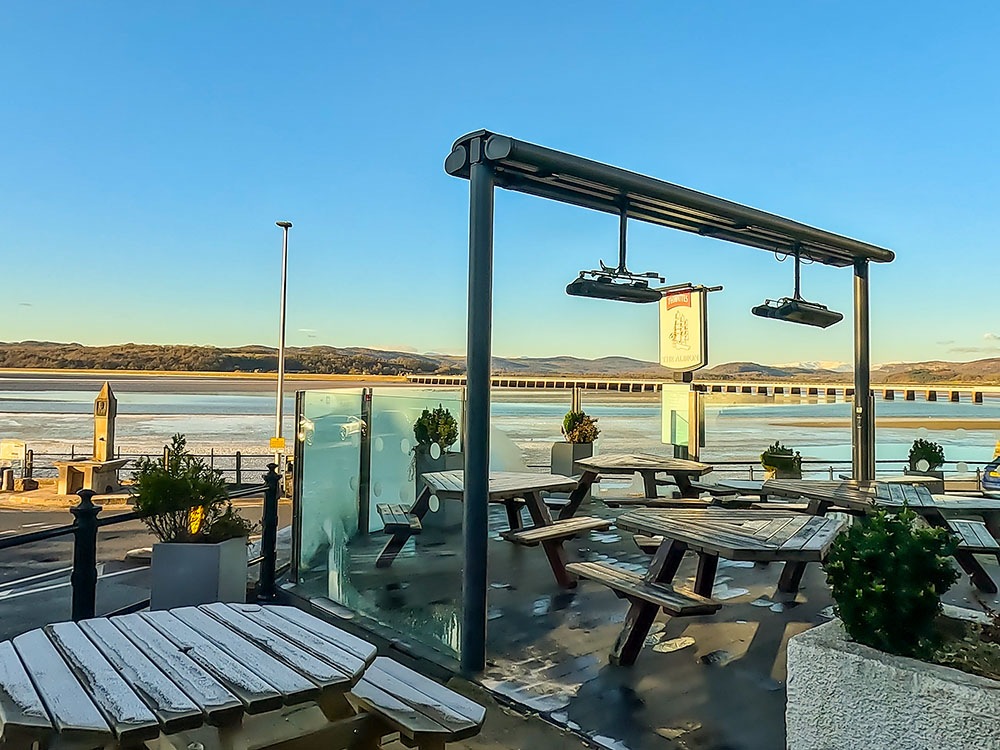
684 329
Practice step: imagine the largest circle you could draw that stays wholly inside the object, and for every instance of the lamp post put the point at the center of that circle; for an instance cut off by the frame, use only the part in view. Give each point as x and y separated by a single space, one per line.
285 226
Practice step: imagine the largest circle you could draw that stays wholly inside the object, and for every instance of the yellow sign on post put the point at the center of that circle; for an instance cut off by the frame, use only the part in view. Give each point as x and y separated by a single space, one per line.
278 444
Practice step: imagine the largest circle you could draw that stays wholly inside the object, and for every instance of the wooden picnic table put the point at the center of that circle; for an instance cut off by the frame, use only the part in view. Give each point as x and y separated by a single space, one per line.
219 675
646 465
513 490
758 535
975 537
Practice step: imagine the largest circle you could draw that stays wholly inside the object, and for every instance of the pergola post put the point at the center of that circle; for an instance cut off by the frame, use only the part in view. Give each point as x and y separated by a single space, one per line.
863 424
477 414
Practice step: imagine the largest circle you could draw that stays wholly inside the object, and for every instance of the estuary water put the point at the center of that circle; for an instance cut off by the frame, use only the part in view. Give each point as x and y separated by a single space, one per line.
52 414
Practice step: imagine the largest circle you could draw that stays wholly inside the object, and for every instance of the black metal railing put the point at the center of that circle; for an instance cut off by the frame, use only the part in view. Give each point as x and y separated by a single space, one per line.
83 579
233 466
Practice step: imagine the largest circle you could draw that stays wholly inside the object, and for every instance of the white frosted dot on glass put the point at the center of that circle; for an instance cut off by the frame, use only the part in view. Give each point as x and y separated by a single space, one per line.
403 494
353 483
404 446
435 450
960 433
434 504
962 467
923 464
378 445
377 489
923 432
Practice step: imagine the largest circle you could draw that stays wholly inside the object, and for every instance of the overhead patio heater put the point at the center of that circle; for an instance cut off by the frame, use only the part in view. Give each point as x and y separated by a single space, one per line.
618 284
797 310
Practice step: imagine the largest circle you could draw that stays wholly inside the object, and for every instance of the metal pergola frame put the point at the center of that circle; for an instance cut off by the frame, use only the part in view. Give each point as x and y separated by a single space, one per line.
488 161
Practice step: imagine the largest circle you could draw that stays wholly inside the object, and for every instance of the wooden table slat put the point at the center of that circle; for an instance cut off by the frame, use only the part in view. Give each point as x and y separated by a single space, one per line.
23 718
173 709
806 532
739 534
256 694
294 686
325 674
215 701
126 713
275 617
73 713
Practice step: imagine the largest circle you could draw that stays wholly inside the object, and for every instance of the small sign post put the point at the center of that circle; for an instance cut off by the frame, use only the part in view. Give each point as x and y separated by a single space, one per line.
683 349
12 450
277 444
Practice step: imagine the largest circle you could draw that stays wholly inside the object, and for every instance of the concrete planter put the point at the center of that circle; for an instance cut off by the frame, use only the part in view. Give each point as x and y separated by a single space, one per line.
449 512
564 455
841 694
190 574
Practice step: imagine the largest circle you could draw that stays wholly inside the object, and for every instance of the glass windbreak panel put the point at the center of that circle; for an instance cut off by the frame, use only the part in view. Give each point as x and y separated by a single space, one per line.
330 434
417 592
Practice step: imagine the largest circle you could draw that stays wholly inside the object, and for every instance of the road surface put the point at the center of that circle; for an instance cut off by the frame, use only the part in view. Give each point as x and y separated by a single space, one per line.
34 578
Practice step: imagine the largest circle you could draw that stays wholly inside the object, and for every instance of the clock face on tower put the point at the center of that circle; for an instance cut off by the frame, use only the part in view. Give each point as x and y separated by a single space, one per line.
101 409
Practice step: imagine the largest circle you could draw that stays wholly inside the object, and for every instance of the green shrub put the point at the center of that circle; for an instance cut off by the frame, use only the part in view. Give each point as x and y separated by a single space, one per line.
888 575
437 426
925 450
185 500
780 456
579 427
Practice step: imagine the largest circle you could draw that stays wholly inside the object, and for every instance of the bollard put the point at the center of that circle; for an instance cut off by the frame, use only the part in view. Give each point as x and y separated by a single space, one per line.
239 470
166 456
84 576
29 465
269 535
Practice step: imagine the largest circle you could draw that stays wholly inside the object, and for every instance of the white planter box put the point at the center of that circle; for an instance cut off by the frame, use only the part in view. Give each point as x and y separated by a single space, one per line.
841 694
190 574
565 455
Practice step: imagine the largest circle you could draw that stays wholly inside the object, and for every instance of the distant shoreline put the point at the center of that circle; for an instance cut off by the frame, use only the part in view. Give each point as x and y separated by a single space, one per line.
202 374
931 423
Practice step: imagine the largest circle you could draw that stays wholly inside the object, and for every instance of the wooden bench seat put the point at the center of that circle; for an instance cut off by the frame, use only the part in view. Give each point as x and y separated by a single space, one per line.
973 536
556 530
427 715
656 502
646 543
398 518
677 603
713 489
794 507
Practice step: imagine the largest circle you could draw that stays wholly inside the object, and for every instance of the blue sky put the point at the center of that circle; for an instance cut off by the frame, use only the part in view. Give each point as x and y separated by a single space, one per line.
148 149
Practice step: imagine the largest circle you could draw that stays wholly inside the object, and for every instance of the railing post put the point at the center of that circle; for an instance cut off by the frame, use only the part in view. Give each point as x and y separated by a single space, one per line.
239 470
269 535
166 455
84 576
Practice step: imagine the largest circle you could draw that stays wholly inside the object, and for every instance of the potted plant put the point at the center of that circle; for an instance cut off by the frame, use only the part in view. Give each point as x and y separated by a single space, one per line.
202 551
435 432
579 432
926 459
781 462
892 671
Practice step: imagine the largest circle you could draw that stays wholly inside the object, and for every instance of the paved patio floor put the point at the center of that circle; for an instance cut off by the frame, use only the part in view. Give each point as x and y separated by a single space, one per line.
715 682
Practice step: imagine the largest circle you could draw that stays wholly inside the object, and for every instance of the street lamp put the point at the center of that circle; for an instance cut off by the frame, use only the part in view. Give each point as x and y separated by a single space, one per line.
285 226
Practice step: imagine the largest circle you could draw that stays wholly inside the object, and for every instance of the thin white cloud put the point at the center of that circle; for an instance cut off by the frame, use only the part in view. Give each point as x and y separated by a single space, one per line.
991 336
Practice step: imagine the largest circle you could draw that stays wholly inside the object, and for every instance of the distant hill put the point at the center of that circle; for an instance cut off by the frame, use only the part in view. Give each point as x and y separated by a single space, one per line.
364 361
